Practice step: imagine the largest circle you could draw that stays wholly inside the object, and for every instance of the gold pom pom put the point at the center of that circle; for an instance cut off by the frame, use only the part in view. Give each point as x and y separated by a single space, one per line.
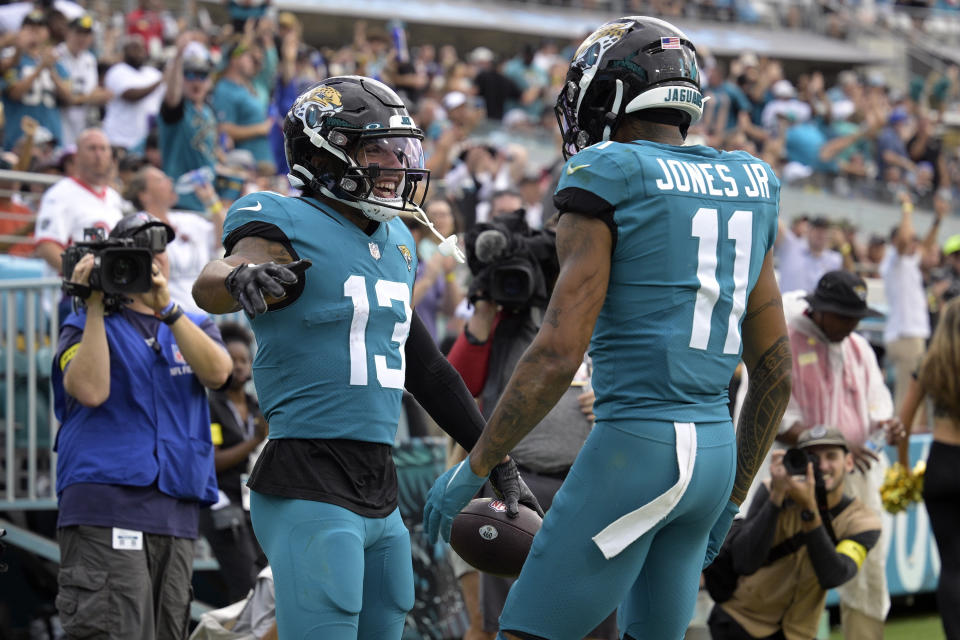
902 487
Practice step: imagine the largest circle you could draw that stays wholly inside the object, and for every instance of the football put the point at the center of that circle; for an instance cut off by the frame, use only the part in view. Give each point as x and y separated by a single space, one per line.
488 540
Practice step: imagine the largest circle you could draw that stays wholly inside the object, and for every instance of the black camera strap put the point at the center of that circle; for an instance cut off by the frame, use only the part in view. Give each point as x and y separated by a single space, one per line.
825 515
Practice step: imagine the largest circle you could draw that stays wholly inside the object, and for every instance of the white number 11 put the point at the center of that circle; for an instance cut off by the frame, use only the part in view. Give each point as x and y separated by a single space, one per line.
739 229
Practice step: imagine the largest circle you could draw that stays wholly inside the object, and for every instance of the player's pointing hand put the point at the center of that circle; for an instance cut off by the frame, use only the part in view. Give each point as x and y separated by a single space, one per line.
250 284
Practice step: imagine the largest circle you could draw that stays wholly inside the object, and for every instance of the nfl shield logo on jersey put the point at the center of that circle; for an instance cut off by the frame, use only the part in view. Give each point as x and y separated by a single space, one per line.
374 250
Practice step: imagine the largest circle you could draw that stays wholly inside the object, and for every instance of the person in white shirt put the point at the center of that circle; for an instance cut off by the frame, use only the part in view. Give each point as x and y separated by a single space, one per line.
75 55
784 103
137 92
197 241
802 261
908 317
83 200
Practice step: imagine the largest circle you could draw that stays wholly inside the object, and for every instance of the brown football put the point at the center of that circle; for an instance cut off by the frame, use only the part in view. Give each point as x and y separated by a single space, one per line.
488 540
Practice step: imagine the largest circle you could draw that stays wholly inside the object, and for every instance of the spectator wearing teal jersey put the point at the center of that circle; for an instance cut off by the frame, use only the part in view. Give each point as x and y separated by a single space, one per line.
267 59
187 124
530 79
34 83
241 114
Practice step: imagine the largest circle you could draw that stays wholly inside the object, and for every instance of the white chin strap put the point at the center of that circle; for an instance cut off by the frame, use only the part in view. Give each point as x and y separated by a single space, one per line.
448 246
617 101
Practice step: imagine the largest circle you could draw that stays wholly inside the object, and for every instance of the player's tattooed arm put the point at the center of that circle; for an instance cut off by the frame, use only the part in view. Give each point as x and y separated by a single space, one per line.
550 362
209 291
766 353
767 396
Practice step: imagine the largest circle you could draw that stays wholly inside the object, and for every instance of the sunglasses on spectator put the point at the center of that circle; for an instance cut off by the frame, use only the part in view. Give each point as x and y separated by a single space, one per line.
195 75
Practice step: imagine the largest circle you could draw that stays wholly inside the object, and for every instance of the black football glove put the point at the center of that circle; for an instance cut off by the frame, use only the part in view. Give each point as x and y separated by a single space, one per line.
249 282
510 487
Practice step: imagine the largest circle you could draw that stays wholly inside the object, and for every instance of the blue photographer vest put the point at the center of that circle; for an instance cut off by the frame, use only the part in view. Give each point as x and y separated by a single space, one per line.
153 427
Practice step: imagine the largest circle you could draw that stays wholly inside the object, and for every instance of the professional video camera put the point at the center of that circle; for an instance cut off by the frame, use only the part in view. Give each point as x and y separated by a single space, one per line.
121 266
512 264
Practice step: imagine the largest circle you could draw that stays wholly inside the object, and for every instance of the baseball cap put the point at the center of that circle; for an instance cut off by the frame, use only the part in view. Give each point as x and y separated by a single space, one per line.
822 435
83 22
952 245
235 49
820 222
783 89
898 115
843 293
35 17
196 59
454 99
481 54
287 19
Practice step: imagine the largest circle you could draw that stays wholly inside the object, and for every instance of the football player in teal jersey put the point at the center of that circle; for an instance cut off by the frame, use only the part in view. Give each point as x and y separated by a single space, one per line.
336 346
666 261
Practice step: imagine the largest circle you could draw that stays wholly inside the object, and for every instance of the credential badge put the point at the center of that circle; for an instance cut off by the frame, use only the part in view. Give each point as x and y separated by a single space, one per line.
374 250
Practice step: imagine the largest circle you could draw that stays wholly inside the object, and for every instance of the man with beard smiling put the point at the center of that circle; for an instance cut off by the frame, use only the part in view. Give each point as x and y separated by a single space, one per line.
134 86
784 552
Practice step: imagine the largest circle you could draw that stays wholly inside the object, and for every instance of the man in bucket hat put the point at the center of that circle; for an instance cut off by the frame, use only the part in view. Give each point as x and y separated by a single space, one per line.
837 381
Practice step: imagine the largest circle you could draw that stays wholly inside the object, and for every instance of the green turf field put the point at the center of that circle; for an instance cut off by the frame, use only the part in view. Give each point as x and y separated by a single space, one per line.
915 627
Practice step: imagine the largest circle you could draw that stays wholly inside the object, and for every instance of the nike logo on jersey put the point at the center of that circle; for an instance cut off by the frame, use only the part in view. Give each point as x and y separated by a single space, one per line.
572 169
256 208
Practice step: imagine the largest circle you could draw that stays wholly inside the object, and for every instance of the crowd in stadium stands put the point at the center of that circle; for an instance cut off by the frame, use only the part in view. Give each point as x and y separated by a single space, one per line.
193 119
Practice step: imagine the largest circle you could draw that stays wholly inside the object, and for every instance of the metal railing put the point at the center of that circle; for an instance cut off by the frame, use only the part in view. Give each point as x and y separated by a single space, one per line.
28 338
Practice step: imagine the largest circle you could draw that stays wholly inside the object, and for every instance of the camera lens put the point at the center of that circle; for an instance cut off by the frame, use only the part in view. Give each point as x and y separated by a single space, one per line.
513 285
795 461
123 271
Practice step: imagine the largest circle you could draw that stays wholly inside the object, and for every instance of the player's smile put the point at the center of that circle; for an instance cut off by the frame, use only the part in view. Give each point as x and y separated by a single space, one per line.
386 186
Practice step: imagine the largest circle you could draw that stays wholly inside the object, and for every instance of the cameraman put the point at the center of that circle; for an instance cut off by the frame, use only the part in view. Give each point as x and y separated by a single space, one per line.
503 325
135 458
786 555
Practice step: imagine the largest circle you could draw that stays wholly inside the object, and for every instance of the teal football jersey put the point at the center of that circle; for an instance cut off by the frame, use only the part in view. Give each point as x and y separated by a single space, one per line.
332 364
692 228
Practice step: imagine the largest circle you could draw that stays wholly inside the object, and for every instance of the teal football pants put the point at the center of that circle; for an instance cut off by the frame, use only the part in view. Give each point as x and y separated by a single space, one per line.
337 575
567 586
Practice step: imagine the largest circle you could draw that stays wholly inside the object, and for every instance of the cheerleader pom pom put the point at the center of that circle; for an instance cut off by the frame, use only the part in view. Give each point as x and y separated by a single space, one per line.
902 487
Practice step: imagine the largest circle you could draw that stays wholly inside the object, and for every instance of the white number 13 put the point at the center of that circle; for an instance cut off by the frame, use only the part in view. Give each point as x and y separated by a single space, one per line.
355 288
706 228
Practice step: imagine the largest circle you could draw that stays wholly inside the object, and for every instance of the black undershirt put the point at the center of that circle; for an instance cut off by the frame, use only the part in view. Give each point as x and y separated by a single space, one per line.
577 200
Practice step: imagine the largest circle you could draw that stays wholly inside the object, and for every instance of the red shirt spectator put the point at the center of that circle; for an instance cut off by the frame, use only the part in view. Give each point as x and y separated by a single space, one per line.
146 21
23 226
